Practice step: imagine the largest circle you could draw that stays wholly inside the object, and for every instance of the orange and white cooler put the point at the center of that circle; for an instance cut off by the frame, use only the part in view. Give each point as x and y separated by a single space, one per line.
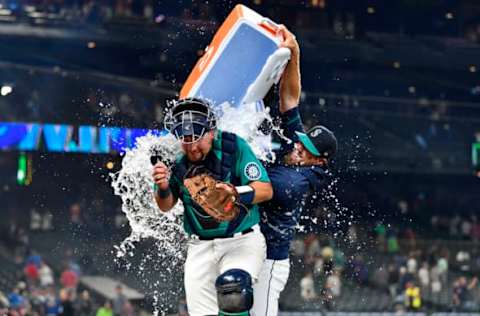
241 63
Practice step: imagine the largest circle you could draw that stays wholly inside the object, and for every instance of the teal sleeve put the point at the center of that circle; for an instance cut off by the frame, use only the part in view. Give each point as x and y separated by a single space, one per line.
248 167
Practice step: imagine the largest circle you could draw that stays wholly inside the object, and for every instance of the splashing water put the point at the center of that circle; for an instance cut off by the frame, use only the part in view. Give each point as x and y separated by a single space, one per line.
244 121
134 183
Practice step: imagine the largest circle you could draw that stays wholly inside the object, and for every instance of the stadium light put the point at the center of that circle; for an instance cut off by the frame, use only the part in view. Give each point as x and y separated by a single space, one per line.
110 165
24 170
6 90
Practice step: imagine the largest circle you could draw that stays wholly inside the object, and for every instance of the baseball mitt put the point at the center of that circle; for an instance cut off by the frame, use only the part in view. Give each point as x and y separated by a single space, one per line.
218 202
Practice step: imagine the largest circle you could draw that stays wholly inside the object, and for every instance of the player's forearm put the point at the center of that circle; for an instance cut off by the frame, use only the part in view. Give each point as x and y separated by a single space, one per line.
263 191
164 202
290 85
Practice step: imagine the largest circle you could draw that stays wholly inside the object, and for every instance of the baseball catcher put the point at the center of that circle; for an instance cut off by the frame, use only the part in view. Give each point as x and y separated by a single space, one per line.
220 182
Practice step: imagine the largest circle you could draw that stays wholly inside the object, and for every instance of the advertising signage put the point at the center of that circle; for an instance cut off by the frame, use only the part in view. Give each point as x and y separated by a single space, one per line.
69 138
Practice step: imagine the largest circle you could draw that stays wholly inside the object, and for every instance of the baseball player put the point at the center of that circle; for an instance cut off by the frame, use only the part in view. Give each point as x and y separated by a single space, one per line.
300 170
220 182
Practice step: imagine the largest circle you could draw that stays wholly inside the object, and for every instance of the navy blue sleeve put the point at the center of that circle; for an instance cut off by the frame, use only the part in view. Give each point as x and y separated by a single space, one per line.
289 186
290 122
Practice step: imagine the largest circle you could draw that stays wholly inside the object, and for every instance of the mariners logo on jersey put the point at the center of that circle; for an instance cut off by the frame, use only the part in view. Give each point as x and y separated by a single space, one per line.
252 171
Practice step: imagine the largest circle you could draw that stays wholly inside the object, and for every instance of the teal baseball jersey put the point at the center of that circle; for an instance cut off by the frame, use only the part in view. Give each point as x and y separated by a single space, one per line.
231 160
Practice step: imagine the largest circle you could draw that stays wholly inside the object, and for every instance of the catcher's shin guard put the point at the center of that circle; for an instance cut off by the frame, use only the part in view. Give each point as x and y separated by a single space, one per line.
234 293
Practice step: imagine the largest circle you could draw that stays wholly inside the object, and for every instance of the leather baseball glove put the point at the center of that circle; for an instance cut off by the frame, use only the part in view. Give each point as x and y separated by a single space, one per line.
216 201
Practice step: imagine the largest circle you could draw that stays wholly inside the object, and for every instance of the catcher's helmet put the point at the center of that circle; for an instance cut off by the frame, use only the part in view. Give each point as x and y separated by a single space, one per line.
190 117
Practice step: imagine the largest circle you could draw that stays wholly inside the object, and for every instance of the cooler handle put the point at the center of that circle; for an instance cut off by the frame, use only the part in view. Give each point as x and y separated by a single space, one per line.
269 25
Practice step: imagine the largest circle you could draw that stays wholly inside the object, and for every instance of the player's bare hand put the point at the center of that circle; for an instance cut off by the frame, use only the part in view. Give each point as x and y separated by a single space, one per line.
161 175
288 40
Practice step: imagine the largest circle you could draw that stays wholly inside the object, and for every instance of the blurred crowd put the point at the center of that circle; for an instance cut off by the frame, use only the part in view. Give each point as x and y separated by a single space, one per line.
434 257
458 227
413 273
344 18
106 107
142 11
42 292
79 224
415 269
